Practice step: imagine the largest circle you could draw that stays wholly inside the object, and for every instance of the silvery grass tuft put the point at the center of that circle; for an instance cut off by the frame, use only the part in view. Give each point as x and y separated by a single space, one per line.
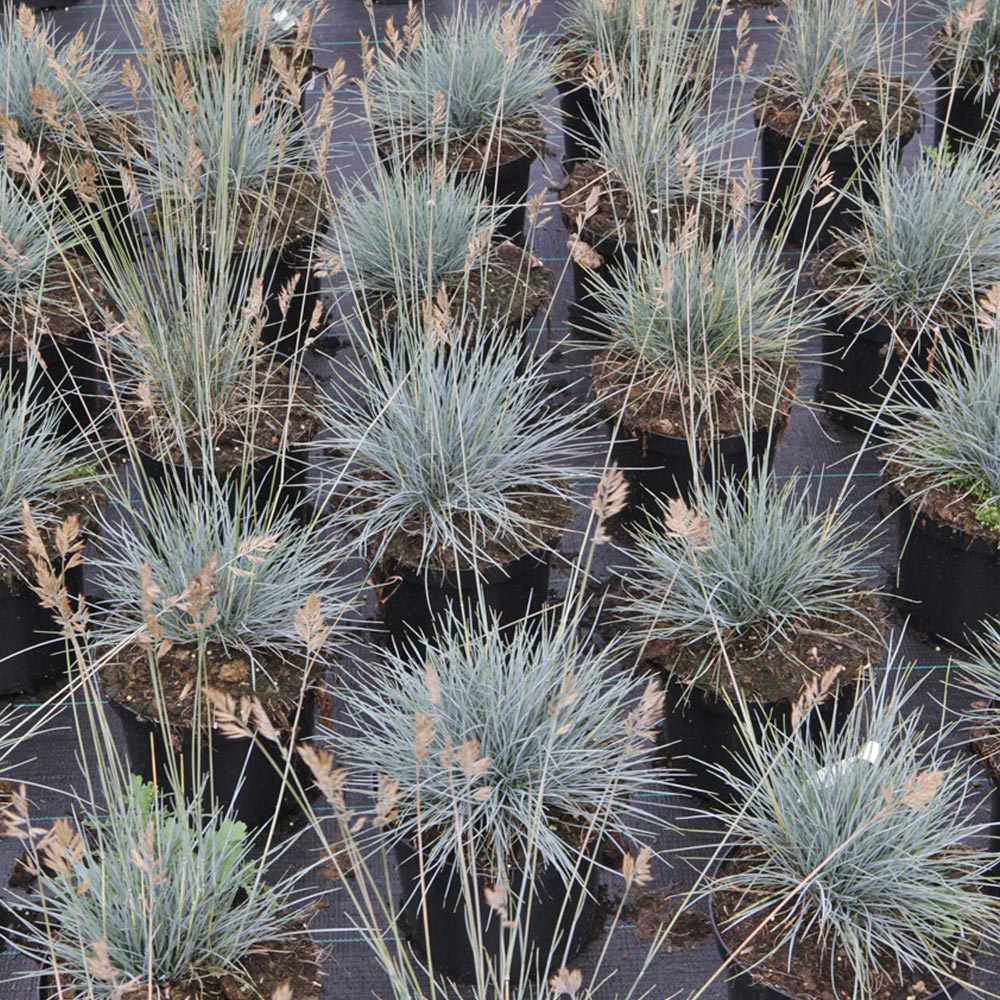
748 560
955 444
45 83
445 443
461 83
32 236
37 463
930 246
263 567
979 672
699 323
872 856
827 49
197 26
528 748
969 40
150 891
410 232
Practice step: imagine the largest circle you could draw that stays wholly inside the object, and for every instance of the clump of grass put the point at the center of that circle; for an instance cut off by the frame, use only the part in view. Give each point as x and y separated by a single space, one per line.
261 568
968 42
150 890
952 444
928 248
459 86
446 452
825 59
698 325
50 90
197 27
749 563
858 841
410 233
37 465
536 741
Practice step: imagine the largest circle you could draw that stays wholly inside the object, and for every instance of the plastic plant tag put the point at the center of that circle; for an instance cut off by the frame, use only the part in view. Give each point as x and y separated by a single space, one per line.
285 20
869 754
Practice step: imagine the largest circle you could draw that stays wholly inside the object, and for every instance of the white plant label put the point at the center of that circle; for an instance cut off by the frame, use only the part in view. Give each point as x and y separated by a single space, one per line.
285 19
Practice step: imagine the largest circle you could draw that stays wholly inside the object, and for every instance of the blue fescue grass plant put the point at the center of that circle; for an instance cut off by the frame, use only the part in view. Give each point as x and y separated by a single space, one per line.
527 749
48 89
861 836
929 247
968 42
260 568
462 84
149 893
197 27
697 324
446 447
751 561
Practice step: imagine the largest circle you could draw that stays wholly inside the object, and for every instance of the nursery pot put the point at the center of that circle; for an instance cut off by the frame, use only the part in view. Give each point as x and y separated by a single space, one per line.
68 369
742 984
557 913
581 115
276 485
414 604
615 253
784 160
959 116
246 774
949 580
700 730
32 651
658 466
861 366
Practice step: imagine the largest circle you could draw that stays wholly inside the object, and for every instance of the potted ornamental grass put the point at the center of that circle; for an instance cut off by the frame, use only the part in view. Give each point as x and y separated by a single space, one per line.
504 769
907 279
850 867
600 39
696 371
211 924
964 62
195 393
943 481
233 174
748 599
408 238
202 630
465 90
652 167
39 471
453 470
827 117
50 299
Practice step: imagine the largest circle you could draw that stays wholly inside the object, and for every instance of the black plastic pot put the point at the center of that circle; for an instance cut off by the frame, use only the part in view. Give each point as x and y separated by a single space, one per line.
275 485
861 366
580 114
503 185
245 774
700 730
69 369
551 920
959 116
742 985
784 162
587 307
658 466
949 581
32 651
414 605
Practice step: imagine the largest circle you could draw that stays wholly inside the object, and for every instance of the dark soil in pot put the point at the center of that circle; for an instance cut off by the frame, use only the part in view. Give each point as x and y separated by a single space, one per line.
701 729
789 150
757 974
293 961
949 564
864 359
608 235
60 348
501 172
245 774
552 920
